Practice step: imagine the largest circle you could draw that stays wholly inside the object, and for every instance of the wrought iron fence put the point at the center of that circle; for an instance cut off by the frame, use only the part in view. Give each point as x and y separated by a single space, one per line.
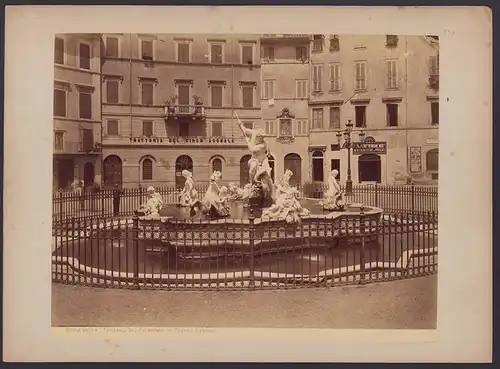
90 204
250 253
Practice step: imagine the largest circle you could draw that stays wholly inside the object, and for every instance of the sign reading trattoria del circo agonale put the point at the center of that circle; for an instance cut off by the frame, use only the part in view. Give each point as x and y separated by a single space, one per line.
369 146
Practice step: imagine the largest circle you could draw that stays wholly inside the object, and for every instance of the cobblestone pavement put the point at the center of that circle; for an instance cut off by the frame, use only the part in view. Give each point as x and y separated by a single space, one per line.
410 304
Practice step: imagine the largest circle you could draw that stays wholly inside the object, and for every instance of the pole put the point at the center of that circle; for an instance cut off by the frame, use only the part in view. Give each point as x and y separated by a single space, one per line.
348 183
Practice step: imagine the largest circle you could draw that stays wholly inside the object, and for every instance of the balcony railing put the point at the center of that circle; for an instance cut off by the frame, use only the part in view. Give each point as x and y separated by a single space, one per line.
176 140
77 148
176 111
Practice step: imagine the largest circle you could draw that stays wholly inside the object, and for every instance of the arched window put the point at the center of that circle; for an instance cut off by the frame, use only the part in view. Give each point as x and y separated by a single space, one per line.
317 161
369 168
147 169
112 170
244 176
293 162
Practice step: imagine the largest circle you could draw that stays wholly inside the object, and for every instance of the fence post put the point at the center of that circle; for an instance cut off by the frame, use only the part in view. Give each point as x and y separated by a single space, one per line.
376 194
362 225
61 216
103 192
413 198
135 238
251 219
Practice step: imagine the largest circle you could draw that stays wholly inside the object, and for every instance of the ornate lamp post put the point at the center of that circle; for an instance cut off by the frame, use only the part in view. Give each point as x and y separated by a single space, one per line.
348 145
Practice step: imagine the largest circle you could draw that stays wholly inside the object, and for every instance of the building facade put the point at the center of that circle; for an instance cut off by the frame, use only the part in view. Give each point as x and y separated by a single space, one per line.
387 86
77 110
170 103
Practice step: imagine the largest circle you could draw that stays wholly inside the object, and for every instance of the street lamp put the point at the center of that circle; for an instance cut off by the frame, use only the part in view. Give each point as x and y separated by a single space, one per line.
348 145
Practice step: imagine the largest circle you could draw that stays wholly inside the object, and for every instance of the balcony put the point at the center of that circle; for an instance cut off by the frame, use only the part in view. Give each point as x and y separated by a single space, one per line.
272 38
193 112
175 141
75 148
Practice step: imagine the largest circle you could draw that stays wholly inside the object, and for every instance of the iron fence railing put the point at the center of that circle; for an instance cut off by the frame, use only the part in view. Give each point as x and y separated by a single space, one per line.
249 253
90 204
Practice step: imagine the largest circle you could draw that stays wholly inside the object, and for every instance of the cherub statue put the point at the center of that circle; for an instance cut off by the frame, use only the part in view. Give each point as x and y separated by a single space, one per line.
212 204
153 204
234 192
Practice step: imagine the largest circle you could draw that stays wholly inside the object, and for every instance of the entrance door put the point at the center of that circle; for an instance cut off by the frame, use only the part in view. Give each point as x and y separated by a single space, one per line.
183 162
112 170
335 164
293 162
88 174
369 168
317 159
66 172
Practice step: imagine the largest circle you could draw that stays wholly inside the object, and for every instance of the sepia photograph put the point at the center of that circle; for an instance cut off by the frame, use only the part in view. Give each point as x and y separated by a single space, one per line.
245 162
299 184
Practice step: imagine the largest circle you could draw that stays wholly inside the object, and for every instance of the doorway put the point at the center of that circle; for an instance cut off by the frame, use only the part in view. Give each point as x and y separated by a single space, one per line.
88 174
369 168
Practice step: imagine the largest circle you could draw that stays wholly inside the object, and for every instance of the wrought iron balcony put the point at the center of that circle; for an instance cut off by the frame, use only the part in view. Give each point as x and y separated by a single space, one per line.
77 148
184 111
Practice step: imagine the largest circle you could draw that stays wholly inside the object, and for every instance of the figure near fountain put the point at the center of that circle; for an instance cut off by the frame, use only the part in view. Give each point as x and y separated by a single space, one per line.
188 195
153 204
214 203
333 198
259 170
287 205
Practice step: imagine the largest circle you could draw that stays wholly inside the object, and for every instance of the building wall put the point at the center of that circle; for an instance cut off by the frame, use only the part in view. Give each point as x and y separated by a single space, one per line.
165 71
70 77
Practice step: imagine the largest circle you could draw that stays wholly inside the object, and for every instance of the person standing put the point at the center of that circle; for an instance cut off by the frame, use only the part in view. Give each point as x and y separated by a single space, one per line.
117 192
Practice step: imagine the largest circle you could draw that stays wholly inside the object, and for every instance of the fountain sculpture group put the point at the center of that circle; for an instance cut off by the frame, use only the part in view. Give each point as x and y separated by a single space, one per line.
277 201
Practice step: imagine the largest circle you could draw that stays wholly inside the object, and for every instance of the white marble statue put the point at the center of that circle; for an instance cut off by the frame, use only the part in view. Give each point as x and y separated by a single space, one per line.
259 169
287 206
234 192
188 195
212 204
153 204
333 198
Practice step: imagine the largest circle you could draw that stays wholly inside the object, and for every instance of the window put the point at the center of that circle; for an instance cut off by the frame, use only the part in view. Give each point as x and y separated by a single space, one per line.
59 141
270 127
248 125
435 113
147 169
87 140
216 53
112 128
392 115
360 75
335 77
301 53
216 95
59 103
147 93
317 80
59 50
317 43
147 49
317 118
268 53
247 54
301 88
268 89
360 116
369 168
317 170
183 97
217 129
335 117
85 104
216 165
183 52
301 127
112 47
112 92
392 74
84 56
147 128
247 92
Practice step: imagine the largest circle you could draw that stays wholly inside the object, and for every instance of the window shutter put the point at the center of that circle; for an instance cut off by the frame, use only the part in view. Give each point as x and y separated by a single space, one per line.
112 92
112 47
247 92
147 170
85 105
147 49
247 54
147 128
216 54
112 127
216 95
59 103
59 50
147 94
217 129
87 140
183 52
